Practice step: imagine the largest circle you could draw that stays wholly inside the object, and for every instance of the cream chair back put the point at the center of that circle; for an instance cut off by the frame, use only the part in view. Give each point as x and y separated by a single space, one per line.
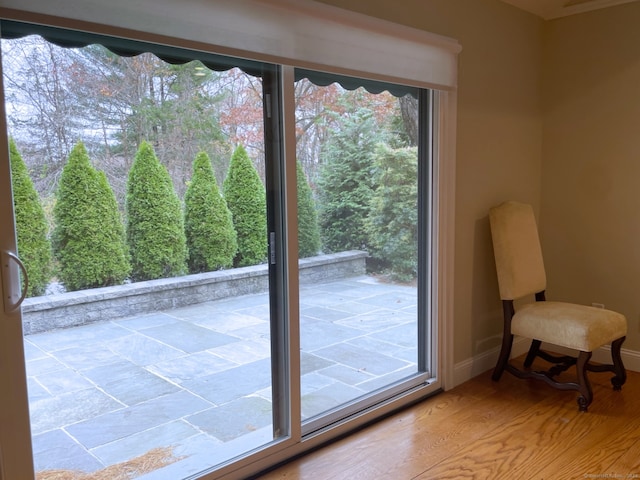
517 250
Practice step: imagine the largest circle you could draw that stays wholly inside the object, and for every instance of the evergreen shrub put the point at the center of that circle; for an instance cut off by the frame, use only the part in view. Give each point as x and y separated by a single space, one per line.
308 229
155 223
211 238
393 221
88 237
246 198
34 247
346 183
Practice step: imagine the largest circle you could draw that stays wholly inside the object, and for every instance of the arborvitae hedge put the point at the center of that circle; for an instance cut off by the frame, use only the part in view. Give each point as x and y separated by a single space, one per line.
211 238
346 183
155 224
308 230
88 238
393 222
34 247
246 198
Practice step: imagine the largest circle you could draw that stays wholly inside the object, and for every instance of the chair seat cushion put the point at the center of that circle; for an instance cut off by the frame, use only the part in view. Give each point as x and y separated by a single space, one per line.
569 325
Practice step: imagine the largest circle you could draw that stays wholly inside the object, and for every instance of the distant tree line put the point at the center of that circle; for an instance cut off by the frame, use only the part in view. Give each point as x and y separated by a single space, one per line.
92 245
166 194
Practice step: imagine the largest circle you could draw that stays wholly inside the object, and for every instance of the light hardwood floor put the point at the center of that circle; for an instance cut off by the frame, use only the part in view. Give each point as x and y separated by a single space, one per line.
511 429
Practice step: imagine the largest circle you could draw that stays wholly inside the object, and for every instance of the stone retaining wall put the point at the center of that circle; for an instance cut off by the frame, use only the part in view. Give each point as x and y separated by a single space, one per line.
70 309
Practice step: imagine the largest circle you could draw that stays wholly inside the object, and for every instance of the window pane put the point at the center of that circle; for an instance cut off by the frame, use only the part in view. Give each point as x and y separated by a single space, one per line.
357 199
152 351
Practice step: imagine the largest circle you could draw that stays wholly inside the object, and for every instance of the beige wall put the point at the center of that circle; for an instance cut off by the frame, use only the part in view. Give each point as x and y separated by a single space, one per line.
590 212
499 144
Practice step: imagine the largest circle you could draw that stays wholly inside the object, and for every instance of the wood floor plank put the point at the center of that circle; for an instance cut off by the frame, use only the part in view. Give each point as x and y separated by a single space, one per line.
484 429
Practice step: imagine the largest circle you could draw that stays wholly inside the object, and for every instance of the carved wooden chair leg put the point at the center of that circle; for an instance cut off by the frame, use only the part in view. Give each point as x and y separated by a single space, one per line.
533 353
586 394
503 359
507 340
618 366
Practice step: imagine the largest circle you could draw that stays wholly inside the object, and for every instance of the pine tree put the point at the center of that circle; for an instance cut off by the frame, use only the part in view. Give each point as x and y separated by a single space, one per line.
308 230
34 247
88 238
211 238
393 223
346 183
155 224
246 198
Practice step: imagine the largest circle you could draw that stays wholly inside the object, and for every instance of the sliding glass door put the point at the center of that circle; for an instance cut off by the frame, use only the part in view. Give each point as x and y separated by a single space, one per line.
169 329
152 252
363 194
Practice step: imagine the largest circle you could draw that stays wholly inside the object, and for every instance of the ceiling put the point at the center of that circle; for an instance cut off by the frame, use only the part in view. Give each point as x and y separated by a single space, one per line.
549 9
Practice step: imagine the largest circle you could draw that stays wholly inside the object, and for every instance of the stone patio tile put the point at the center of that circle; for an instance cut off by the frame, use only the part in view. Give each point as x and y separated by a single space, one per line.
234 419
43 365
55 450
315 334
198 310
140 322
347 375
310 363
165 435
351 289
188 337
139 387
244 352
260 310
407 354
63 381
315 298
386 342
243 301
36 391
259 330
326 398
86 356
70 337
116 425
379 320
202 452
403 335
324 313
31 352
116 371
357 307
69 408
190 367
394 300
143 350
384 380
232 384
228 322
361 359
314 381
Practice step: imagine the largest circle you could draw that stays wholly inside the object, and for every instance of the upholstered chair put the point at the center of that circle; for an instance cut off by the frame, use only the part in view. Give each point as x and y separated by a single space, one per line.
575 328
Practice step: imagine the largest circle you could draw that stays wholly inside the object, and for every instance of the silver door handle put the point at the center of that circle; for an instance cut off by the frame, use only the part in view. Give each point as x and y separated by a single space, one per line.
9 281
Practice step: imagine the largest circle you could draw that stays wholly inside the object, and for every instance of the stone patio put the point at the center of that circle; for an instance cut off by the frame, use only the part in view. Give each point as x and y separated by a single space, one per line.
197 378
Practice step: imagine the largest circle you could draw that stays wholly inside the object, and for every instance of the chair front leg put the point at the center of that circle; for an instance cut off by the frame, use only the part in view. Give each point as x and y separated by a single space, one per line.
586 394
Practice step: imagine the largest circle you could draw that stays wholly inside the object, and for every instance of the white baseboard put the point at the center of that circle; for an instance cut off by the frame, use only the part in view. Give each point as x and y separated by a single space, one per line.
467 369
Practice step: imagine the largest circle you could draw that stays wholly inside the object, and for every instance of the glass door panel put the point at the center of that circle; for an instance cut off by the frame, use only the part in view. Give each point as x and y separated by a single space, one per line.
152 355
358 210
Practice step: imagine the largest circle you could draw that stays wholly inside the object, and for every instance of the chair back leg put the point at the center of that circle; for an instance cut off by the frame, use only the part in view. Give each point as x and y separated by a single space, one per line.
618 367
507 340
